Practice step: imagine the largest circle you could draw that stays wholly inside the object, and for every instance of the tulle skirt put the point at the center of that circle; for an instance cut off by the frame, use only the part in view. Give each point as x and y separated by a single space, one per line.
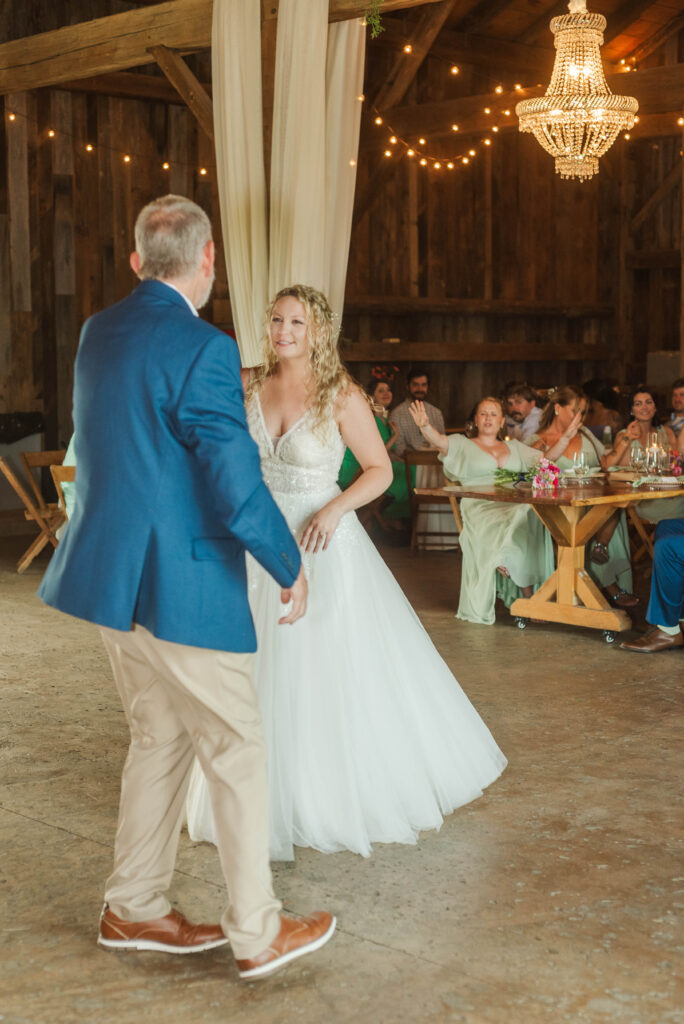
370 738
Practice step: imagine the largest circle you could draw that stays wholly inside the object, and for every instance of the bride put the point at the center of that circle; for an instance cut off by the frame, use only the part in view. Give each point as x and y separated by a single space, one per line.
370 738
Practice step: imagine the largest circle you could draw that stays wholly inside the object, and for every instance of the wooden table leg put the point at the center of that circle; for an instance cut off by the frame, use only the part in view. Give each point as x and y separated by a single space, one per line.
570 594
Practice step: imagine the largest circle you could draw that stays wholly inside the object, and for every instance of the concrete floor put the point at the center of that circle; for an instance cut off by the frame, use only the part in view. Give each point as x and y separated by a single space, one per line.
557 897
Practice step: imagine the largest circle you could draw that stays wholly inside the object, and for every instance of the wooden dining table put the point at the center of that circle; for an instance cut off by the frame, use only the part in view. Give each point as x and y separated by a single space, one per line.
572 515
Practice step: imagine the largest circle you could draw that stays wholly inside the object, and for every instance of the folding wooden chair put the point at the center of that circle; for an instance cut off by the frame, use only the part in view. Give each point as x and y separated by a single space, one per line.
47 517
428 457
62 475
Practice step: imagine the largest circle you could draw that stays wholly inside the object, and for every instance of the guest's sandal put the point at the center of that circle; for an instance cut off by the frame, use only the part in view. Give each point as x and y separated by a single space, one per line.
623 599
599 553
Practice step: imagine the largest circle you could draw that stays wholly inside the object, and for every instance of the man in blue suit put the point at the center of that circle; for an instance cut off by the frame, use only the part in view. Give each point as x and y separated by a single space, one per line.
666 605
169 497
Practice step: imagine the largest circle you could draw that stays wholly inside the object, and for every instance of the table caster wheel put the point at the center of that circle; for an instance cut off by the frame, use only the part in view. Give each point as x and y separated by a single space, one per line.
520 622
609 636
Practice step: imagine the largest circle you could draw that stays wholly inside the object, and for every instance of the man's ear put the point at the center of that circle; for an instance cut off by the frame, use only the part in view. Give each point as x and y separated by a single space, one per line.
135 263
209 256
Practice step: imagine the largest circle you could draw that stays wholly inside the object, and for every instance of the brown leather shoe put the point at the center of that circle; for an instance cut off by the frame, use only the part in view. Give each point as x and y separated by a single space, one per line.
654 640
170 934
297 937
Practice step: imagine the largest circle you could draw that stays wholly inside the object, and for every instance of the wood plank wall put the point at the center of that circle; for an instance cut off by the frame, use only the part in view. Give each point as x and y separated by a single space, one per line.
502 228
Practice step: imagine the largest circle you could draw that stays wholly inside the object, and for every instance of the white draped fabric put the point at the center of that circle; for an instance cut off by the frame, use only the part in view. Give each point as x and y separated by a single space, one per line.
316 120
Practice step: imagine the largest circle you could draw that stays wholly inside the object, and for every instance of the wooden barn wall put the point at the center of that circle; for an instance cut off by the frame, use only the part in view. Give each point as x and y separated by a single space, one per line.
66 226
503 229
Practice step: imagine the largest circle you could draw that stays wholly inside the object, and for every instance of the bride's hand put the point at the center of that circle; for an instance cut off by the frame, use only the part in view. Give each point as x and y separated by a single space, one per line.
417 410
319 530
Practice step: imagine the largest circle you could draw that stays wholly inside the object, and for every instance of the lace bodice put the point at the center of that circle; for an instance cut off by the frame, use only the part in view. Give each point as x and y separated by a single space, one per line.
301 461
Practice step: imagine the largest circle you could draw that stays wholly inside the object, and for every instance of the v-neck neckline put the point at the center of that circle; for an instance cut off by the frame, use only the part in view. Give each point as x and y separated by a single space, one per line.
276 443
493 457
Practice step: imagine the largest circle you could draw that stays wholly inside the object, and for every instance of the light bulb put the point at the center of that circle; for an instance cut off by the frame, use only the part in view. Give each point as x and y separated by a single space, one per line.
465 160
165 166
408 48
454 127
495 128
393 140
455 69
51 133
436 165
388 152
203 170
487 142
378 120
499 89
12 117
421 141
487 110
352 163
450 166
423 162
410 152
471 152
127 159
89 148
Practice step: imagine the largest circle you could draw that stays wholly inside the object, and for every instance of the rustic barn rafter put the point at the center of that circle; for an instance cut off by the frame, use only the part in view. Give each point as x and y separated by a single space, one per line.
122 41
187 85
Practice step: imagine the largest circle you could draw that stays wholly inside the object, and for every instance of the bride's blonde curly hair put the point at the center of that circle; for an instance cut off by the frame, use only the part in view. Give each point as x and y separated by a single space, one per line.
328 376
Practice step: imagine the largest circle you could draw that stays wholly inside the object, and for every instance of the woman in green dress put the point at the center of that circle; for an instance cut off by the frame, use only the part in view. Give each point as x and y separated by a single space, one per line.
645 429
609 562
506 549
398 508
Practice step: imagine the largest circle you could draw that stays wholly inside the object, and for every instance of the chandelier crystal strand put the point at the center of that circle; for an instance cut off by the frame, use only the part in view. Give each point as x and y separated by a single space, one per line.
578 119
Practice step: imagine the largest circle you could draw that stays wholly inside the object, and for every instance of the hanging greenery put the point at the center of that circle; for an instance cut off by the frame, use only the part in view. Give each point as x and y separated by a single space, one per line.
373 18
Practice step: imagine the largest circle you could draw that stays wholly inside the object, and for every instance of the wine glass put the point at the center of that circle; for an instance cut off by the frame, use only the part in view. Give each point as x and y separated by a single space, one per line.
579 464
637 459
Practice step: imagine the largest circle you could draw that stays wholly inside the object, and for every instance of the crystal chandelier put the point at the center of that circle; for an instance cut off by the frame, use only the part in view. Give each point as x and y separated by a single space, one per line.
579 118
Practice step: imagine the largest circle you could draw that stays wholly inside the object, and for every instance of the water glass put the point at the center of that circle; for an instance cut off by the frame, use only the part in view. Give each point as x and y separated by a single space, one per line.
637 458
580 466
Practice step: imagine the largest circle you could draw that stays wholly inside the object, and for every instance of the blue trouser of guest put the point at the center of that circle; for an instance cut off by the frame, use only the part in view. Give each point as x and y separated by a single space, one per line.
666 604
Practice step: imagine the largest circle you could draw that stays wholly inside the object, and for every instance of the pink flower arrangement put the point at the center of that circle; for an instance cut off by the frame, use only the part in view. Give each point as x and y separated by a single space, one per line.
676 459
546 476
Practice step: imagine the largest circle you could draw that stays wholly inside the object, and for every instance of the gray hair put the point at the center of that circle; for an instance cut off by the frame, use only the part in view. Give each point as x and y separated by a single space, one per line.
170 235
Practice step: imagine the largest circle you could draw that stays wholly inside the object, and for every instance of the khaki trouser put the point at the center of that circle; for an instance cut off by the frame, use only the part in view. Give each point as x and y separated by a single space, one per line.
181 701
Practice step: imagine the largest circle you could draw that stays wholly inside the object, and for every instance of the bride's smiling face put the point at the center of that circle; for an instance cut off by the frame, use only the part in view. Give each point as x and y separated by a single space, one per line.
288 328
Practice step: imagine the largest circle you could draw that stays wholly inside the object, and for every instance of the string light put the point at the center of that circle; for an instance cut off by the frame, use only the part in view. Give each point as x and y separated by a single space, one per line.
627 135
487 110
499 89
89 147
517 87
352 163
487 142
680 120
495 128
423 162
388 152
455 69
410 152
408 48
465 160
393 140
454 127
471 152
378 120
436 165
361 98
450 165
507 113
421 141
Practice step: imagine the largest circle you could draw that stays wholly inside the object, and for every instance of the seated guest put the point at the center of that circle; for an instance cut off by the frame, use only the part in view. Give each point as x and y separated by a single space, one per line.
523 411
676 423
436 528
418 382
603 417
506 549
666 605
398 507
643 429
609 562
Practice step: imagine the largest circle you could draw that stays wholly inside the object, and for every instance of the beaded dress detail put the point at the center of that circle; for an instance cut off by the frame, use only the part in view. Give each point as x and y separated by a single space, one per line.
370 738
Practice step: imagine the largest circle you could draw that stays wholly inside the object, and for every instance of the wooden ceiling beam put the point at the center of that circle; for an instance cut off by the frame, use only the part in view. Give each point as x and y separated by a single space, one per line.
122 41
658 90
189 88
542 22
406 65
482 14
659 37
626 15
128 85
526 62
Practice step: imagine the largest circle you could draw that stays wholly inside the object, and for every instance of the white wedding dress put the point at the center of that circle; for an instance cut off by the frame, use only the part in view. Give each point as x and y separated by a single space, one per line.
370 738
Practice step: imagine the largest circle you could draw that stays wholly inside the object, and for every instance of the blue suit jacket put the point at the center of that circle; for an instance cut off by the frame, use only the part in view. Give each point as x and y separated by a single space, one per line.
170 492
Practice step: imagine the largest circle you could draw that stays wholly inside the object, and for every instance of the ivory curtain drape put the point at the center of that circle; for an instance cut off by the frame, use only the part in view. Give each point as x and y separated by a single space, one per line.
316 121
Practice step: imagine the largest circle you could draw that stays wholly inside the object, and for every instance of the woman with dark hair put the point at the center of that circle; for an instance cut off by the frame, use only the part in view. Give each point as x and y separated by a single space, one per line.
644 429
506 549
609 559
398 508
